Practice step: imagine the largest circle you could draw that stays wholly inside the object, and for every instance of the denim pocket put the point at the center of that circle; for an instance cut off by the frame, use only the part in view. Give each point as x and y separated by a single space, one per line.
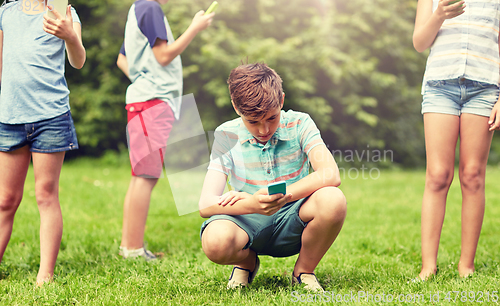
436 83
483 84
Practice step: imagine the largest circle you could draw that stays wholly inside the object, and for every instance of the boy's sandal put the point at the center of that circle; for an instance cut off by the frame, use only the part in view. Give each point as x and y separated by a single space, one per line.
242 277
309 280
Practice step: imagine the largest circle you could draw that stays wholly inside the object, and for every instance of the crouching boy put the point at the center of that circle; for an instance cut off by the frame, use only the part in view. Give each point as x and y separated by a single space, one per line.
266 145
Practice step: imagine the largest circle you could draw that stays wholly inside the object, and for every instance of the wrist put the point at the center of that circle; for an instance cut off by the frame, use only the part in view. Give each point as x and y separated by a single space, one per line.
194 28
439 15
71 39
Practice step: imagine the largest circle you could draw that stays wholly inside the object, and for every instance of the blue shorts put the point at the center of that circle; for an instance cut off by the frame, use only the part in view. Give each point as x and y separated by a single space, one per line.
459 96
47 136
279 235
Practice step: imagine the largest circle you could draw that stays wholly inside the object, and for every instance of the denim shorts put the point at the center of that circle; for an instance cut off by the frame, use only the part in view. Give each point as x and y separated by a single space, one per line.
458 96
279 235
46 136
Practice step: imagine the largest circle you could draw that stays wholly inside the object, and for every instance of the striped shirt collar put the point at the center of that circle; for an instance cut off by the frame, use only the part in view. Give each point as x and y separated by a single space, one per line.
281 133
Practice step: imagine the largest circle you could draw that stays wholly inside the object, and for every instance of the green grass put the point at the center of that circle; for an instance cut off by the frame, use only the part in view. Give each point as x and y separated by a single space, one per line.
377 251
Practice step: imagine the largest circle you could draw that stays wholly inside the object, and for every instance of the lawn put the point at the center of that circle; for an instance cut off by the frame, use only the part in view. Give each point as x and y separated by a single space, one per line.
376 253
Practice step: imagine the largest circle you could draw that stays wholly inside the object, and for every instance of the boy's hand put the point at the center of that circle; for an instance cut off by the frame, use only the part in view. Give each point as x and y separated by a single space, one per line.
231 197
201 22
269 204
61 28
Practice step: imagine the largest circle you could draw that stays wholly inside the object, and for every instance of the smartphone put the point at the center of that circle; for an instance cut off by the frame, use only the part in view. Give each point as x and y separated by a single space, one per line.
59 5
453 2
275 188
212 7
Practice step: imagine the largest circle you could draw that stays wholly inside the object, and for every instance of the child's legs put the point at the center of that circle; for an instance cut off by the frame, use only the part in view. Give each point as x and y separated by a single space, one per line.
47 170
126 206
148 130
475 140
441 134
14 167
223 242
325 212
135 211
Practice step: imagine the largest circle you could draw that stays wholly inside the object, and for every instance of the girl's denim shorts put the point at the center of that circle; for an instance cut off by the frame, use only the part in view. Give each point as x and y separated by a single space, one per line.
46 136
458 96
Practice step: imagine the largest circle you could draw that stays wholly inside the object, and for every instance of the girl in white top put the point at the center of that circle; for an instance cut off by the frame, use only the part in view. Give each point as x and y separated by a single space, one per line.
460 92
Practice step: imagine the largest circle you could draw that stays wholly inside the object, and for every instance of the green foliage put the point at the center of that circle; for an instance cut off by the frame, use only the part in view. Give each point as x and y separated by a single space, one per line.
350 64
98 89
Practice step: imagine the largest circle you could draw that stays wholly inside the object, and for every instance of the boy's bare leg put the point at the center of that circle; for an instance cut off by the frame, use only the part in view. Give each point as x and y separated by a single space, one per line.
325 210
135 211
441 134
47 169
126 206
223 243
475 140
14 167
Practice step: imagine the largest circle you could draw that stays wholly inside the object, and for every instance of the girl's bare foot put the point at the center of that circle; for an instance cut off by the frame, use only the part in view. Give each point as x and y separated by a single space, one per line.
425 274
464 271
42 281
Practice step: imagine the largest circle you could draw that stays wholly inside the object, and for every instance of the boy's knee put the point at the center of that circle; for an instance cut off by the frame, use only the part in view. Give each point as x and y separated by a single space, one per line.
218 242
332 203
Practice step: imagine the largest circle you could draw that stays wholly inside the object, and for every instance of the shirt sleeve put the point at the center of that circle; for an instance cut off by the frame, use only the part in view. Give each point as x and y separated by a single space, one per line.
221 158
151 21
75 16
309 134
2 10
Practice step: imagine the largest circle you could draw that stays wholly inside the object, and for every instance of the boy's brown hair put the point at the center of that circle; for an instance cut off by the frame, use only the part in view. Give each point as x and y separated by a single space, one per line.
255 89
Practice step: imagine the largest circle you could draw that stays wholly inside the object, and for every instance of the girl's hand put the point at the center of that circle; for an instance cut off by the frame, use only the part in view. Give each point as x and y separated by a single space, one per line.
231 197
446 10
61 28
494 121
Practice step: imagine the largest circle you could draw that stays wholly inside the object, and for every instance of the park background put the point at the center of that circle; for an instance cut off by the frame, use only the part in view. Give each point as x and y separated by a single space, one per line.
351 66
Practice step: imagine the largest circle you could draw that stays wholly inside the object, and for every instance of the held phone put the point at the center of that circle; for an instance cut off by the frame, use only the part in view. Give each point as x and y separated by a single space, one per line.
212 7
59 5
278 187
453 2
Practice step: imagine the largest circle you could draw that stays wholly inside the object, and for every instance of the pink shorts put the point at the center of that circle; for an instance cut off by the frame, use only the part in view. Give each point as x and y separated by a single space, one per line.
148 128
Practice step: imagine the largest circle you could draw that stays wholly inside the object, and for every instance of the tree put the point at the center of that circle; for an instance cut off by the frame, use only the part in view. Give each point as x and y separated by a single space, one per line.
350 64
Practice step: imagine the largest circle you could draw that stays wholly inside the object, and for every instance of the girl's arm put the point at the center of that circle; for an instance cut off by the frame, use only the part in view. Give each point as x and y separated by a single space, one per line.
494 122
428 23
70 32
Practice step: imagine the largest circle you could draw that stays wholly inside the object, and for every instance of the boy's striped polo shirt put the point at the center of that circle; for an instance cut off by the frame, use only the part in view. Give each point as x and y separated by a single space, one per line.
251 165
